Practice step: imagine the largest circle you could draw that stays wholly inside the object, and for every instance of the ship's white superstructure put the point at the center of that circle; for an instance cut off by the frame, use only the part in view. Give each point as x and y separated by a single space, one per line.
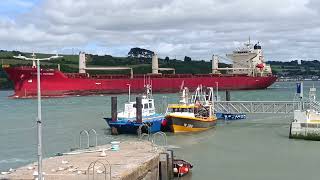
249 60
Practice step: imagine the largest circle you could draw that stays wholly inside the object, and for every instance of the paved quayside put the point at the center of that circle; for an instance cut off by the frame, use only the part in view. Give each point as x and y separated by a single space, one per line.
134 160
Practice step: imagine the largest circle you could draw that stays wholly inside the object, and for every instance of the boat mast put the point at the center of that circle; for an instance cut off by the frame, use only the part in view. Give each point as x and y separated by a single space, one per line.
185 96
129 93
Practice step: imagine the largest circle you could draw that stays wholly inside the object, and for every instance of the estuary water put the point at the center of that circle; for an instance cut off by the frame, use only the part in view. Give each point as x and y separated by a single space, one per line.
255 148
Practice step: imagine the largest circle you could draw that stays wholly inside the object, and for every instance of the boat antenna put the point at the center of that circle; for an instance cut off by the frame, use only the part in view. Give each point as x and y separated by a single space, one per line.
129 92
182 86
185 96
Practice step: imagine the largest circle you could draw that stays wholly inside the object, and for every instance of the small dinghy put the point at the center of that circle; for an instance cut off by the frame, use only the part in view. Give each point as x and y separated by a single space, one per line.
181 167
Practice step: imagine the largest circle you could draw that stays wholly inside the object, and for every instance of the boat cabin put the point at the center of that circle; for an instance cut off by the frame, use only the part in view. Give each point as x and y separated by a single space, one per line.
190 110
182 109
307 116
130 110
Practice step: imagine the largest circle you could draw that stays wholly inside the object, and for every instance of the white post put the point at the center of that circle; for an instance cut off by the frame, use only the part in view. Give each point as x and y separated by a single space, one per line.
214 64
82 62
155 64
217 88
39 124
129 87
34 64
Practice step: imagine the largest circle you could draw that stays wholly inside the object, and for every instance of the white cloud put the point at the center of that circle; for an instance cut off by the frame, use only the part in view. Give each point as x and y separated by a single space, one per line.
286 29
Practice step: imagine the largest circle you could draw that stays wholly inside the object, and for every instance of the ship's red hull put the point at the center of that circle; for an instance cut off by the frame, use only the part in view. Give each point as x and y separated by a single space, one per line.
55 83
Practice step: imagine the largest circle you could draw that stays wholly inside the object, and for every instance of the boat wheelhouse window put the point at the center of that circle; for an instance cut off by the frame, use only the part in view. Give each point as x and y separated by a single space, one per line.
150 105
145 106
134 105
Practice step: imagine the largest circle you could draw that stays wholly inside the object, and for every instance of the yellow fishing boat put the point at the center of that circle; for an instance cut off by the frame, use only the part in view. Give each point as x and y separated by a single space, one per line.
191 117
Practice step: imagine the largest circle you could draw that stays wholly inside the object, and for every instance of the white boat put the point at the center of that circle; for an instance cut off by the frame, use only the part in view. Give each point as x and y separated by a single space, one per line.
126 121
306 122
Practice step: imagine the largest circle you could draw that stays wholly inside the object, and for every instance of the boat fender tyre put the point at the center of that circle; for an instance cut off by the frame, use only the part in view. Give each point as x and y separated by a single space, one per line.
114 131
139 132
145 128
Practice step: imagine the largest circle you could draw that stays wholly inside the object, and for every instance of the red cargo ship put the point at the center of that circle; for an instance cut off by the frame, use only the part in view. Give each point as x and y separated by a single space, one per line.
248 72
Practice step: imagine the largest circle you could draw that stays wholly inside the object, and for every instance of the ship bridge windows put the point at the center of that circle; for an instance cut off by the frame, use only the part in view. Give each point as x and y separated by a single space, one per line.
145 106
150 105
257 46
242 52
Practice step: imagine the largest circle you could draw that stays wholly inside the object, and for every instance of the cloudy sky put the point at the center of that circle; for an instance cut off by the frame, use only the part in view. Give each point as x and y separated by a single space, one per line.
287 29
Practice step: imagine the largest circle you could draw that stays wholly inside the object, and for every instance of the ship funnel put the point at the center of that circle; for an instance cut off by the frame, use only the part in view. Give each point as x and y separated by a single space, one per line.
155 64
215 64
82 62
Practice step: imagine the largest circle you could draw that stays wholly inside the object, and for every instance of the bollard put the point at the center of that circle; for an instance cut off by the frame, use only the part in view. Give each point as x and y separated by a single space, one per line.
164 166
227 95
170 164
139 109
114 109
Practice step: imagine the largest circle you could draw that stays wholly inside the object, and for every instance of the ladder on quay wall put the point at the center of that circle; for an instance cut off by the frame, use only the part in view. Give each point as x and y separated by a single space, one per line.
264 106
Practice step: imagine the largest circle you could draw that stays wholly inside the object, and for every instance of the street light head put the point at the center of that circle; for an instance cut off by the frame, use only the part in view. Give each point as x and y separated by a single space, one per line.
20 57
37 59
56 57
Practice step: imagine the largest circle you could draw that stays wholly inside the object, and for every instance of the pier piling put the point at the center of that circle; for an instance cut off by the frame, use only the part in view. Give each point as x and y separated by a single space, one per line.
170 163
227 95
139 109
114 109
164 166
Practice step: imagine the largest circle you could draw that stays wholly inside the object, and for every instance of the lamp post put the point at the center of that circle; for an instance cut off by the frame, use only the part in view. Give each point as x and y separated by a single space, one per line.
39 118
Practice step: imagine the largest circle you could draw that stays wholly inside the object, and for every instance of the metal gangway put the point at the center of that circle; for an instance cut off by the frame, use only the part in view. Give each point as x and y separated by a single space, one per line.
264 106
299 103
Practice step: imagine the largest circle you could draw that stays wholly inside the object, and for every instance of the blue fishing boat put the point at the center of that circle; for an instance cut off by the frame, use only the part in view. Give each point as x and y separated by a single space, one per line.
133 119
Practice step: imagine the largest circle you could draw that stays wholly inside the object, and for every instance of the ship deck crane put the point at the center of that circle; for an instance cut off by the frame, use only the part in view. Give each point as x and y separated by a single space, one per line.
83 67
